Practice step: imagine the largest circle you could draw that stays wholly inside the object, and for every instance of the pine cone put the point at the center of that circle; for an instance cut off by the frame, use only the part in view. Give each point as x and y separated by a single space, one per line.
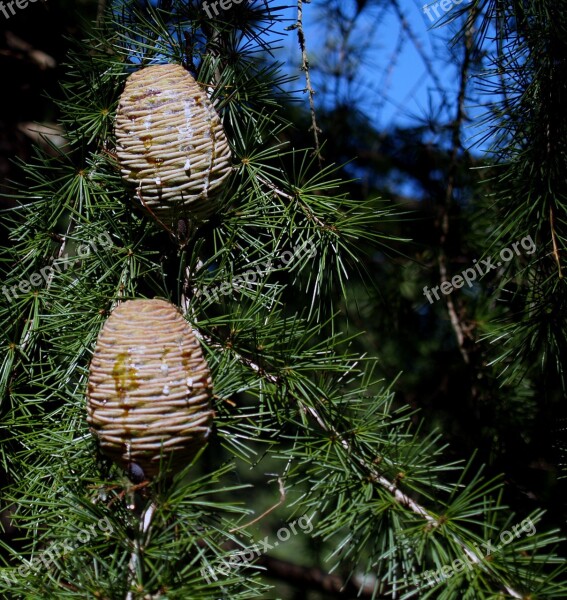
149 389
171 145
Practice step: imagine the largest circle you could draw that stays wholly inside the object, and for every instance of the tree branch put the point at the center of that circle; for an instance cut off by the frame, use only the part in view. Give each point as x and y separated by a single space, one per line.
309 87
314 578
452 173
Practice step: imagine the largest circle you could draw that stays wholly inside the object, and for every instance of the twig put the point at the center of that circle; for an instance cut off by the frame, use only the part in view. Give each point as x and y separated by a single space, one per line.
399 496
139 543
315 578
451 177
396 492
266 512
101 7
309 87
246 361
63 245
426 58
185 299
310 215
554 240
453 317
310 577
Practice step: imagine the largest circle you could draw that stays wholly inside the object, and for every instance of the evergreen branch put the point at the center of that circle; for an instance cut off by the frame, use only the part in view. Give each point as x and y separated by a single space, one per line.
309 213
241 358
398 495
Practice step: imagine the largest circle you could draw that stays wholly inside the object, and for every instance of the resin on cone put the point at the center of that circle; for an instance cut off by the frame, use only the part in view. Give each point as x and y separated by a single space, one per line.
149 389
171 145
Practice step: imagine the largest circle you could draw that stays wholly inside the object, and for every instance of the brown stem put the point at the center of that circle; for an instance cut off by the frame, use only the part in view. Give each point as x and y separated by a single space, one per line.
309 87
139 543
456 323
266 512
314 578
554 240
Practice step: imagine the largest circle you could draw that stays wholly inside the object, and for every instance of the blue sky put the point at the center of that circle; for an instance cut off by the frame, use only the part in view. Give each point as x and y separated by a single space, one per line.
398 94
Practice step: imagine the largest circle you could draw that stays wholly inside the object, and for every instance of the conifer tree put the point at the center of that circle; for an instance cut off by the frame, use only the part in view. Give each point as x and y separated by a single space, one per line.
476 360
313 474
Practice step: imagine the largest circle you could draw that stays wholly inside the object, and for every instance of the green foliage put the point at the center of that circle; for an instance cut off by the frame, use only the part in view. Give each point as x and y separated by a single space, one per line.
296 405
527 127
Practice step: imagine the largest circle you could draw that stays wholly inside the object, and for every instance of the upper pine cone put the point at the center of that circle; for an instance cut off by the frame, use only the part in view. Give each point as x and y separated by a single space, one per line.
171 145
